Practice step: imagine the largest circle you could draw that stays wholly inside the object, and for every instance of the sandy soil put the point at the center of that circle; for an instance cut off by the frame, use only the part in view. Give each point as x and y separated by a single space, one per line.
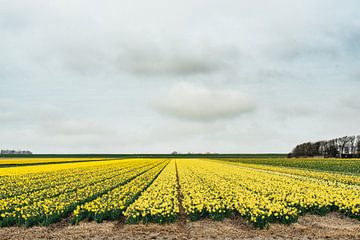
332 226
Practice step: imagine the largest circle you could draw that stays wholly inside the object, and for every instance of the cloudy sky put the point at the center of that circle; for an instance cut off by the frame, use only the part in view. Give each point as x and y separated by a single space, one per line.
191 76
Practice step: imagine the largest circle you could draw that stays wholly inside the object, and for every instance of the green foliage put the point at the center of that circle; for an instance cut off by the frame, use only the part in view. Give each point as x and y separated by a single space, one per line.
348 166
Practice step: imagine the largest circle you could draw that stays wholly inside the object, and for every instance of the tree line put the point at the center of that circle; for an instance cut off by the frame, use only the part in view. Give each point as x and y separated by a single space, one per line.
343 147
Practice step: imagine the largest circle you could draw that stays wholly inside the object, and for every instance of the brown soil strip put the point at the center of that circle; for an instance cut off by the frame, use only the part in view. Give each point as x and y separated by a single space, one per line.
331 226
182 214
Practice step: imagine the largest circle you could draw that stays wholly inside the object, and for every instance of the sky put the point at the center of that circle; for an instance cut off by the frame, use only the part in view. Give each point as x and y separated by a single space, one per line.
188 76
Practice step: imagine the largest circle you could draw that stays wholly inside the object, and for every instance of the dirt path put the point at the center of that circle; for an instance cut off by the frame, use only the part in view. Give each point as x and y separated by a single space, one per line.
332 226
182 215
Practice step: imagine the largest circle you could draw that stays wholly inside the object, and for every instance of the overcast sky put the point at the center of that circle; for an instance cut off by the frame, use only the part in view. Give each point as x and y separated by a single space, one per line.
191 76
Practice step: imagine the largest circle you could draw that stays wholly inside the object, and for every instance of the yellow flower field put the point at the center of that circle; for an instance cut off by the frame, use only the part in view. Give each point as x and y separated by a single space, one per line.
151 190
21 170
23 161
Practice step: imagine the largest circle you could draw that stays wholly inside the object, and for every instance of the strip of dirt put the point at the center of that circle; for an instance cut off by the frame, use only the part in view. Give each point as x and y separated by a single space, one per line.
182 215
332 226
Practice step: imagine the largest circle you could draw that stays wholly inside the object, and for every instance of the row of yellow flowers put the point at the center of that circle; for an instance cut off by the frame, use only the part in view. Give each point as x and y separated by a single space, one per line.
159 203
22 170
22 161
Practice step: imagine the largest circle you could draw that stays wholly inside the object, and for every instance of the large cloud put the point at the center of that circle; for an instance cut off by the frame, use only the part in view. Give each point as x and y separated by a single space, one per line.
195 102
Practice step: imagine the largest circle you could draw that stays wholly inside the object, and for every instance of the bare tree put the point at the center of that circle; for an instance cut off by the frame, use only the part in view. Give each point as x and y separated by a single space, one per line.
357 145
350 146
347 145
343 144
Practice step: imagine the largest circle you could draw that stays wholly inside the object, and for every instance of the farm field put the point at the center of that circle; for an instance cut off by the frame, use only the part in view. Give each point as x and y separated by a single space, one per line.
11 162
137 191
344 165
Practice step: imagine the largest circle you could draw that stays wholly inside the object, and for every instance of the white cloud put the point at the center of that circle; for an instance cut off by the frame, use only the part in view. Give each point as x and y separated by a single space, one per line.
195 102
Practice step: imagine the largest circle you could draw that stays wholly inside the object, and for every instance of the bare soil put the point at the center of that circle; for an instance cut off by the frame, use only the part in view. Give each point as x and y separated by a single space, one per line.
332 226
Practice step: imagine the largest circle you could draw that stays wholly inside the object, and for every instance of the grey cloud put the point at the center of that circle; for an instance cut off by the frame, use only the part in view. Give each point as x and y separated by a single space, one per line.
198 103
93 48
120 47
175 60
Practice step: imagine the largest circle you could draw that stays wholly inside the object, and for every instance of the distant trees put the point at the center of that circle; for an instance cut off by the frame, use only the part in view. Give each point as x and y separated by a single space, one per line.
347 146
306 149
11 152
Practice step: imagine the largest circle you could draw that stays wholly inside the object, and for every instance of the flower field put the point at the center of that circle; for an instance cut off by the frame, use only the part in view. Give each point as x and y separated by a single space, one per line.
160 190
8 162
